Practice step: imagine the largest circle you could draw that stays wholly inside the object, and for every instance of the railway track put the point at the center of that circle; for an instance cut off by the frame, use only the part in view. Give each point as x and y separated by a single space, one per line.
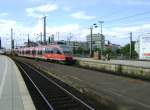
47 94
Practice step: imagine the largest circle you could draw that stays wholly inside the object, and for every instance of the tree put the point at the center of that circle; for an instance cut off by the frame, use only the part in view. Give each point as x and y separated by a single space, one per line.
109 52
79 50
126 50
118 52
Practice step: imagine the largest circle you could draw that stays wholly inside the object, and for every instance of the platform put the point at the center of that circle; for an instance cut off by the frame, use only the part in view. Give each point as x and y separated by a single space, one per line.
144 64
13 92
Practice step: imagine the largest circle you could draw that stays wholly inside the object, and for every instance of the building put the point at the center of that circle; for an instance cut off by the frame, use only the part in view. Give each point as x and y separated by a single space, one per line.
142 47
113 47
98 41
75 45
137 46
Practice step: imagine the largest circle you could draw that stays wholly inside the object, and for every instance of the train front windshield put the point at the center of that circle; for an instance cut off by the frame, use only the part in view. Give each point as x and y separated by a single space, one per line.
67 50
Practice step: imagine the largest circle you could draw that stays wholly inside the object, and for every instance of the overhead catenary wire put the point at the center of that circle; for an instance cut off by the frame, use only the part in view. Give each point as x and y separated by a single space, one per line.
123 18
132 24
128 17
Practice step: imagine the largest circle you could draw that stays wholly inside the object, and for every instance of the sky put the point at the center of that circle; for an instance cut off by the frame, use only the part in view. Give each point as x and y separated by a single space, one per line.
73 18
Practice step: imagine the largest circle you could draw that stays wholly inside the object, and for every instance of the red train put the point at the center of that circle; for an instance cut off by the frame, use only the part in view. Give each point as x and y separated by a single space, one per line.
60 53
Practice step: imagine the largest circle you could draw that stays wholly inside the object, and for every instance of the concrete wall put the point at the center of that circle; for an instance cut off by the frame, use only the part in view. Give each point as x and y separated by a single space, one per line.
131 71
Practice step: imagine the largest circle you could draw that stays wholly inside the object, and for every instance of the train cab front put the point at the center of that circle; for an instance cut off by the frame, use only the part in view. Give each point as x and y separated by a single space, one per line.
67 51
69 57
69 60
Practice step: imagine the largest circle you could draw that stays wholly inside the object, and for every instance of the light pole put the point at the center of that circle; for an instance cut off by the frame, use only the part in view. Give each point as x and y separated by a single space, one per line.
28 40
130 45
101 35
11 39
0 43
101 24
44 29
91 41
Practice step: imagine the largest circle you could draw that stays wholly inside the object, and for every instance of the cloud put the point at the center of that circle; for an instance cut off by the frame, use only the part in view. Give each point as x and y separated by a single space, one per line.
35 0
3 14
123 32
120 35
7 23
19 28
66 8
64 28
82 15
41 1
133 2
136 29
40 10
21 31
79 33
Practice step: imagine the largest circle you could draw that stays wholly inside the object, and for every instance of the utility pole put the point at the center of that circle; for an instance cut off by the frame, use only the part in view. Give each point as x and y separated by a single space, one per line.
101 24
49 40
130 45
91 47
12 42
58 35
44 29
52 38
16 45
101 35
74 47
0 43
28 40
69 39
41 37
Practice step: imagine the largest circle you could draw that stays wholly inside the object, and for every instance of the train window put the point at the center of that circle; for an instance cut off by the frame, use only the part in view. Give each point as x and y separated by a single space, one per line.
58 52
66 49
49 50
67 52
33 52
43 50
27 51
46 50
55 50
40 52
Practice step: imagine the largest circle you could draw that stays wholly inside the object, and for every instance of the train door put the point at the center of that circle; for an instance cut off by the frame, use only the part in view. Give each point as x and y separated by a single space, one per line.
58 54
43 53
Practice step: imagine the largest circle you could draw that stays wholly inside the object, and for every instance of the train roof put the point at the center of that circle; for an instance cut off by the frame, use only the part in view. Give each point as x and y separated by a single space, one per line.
44 46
